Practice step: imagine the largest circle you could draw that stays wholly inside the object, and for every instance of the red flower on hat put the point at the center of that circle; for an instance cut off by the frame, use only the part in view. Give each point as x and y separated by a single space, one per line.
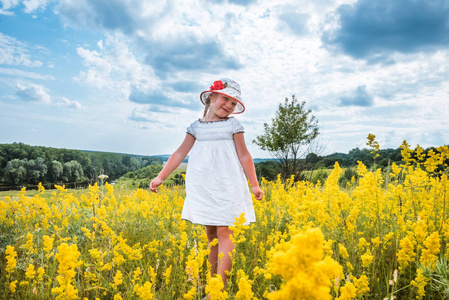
218 85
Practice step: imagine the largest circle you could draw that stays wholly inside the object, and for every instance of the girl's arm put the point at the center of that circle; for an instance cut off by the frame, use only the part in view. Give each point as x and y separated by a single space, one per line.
247 164
173 162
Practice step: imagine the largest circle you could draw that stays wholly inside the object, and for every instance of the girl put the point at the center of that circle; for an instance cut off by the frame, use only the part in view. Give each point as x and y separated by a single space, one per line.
216 187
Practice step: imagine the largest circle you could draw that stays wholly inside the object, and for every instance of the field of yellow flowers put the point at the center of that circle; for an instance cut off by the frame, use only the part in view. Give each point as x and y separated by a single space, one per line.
382 237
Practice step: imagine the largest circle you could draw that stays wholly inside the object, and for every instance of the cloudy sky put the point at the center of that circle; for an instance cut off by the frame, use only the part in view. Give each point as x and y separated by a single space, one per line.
125 75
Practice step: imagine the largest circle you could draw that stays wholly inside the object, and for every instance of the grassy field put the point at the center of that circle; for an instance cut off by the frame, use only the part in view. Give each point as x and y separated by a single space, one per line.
366 241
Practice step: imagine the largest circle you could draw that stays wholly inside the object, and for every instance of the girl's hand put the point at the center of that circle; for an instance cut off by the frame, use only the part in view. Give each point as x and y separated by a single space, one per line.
154 184
258 193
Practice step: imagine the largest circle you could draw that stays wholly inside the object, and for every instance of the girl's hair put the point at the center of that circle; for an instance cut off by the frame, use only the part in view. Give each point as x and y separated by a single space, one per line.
207 103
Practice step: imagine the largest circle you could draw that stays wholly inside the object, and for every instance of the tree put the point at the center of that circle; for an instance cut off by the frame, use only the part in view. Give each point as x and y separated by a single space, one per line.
56 170
288 137
267 169
310 161
15 171
36 170
72 171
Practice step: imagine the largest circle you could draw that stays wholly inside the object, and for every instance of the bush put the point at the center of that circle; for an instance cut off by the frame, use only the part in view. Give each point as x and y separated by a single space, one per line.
320 175
144 184
347 177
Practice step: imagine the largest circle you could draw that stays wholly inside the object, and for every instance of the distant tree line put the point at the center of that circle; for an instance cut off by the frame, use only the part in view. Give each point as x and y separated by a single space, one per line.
24 164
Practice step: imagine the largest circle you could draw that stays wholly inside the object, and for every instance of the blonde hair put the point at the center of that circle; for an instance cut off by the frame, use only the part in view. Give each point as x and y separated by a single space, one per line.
207 103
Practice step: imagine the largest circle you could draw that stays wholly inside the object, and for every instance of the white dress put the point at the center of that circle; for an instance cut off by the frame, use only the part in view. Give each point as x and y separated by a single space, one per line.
216 186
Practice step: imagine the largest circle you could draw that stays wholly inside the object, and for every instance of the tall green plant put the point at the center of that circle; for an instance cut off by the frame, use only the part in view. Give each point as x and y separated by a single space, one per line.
287 138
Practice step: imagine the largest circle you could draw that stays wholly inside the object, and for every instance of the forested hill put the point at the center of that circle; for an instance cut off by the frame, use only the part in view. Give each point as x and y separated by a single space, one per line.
25 164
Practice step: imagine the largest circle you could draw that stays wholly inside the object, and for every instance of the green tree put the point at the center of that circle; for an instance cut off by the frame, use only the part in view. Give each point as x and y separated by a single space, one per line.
72 171
36 170
355 155
15 171
292 130
310 162
56 171
267 169
77 170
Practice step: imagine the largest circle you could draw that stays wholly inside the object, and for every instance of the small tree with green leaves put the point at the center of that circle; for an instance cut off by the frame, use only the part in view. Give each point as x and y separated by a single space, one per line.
289 136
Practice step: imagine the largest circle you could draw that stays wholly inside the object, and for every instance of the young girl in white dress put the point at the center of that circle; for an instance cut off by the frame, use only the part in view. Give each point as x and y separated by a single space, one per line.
216 187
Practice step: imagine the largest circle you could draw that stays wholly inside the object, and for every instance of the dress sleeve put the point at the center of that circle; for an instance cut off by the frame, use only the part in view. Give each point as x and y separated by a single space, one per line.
191 130
237 128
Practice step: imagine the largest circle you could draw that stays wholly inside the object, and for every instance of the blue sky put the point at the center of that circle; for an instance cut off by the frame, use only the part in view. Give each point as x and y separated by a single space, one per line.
125 75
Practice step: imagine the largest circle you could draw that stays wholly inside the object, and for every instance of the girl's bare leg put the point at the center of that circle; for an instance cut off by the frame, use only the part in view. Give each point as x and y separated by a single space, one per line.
211 232
225 246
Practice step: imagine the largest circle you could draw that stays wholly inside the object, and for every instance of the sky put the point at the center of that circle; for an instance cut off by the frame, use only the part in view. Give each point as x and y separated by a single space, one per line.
125 75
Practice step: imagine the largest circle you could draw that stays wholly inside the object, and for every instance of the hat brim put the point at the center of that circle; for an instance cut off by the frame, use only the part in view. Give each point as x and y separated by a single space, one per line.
205 94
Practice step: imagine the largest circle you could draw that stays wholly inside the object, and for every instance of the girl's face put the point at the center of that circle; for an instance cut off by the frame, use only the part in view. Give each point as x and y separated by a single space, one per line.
222 105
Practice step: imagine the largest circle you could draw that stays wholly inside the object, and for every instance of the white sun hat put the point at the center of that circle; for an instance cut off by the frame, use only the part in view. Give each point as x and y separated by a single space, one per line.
226 87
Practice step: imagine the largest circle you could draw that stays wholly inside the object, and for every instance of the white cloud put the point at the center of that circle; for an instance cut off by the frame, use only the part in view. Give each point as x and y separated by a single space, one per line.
32 5
15 52
69 103
26 74
125 16
8 4
32 93
113 67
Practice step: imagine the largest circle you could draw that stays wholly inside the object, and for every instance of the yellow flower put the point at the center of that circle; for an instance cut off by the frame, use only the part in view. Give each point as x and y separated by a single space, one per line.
118 279
11 260
327 247
29 243
145 291
396 170
40 188
406 254
388 238
191 294
367 258
376 241
362 285
420 283
220 256
215 287
239 229
90 235
136 274
213 243
118 297
245 287
152 274
301 263
430 255
95 254
12 286
347 292
343 251
106 267
48 245
420 231
30 272
349 266
167 274
24 283
67 257
362 243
